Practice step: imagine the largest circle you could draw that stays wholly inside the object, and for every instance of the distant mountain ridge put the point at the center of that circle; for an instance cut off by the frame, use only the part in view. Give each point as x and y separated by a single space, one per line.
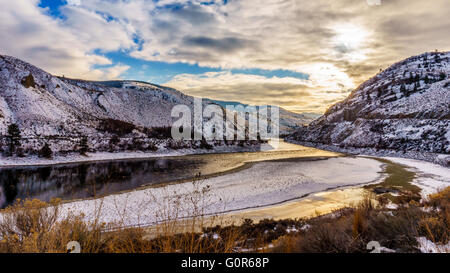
404 108
289 121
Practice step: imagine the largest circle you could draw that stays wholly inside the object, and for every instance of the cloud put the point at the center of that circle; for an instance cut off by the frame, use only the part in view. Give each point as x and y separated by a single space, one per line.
63 47
339 44
226 45
292 93
111 73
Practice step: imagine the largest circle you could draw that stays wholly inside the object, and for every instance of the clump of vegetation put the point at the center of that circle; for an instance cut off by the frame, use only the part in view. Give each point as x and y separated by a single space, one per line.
115 126
163 132
151 146
14 138
46 151
178 144
205 145
396 230
83 146
36 226
113 142
33 226
28 81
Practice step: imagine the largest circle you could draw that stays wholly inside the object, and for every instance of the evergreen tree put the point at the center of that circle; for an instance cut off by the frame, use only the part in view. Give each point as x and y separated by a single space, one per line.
84 147
378 92
14 138
415 87
46 151
403 88
437 59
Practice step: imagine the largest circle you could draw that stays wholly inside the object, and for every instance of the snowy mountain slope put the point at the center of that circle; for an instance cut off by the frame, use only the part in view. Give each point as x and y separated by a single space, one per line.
404 108
289 121
57 106
43 104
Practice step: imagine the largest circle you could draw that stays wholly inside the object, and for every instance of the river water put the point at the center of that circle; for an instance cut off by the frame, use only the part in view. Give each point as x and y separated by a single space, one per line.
91 179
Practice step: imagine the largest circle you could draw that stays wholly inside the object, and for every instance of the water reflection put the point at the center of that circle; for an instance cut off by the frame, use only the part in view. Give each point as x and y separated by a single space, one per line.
83 180
90 179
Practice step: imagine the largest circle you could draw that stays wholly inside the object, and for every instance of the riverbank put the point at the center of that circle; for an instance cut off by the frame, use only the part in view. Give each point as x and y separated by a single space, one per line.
441 159
108 156
73 158
263 184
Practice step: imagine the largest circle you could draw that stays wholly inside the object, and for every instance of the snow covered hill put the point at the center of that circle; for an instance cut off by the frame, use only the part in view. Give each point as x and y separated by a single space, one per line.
405 108
60 110
289 121
42 104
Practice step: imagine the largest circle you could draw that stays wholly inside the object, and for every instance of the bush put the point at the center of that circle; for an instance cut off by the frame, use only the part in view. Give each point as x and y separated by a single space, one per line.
83 147
177 144
205 145
32 226
14 138
35 226
115 126
151 146
435 229
28 81
329 237
46 151
159 132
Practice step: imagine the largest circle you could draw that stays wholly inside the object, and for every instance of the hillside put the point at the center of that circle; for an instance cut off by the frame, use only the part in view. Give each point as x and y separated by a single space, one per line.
60 111
403 109
289 121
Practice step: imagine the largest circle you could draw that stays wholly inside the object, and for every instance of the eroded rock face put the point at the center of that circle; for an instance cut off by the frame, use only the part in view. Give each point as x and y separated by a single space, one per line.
405 107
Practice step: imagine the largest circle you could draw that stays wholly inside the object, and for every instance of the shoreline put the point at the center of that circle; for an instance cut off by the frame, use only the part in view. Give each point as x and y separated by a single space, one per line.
35 161
441 159
76 158
287 182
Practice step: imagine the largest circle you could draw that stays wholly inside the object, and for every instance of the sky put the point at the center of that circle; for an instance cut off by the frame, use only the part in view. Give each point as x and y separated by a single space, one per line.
298 54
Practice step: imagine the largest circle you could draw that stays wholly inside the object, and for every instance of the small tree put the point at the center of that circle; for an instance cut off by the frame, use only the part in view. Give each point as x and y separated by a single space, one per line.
403 88
46 151
14 138
437 59
84 148
28 81
379 92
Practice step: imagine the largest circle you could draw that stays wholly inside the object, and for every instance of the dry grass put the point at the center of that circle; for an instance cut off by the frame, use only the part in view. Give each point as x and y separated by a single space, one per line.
35 226
393 229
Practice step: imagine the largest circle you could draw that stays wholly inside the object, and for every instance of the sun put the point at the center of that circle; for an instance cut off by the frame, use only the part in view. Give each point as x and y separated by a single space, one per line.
350 35
349 41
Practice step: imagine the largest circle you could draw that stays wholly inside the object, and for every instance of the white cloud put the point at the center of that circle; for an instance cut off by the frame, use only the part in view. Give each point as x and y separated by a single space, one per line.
291 93
114 72
338 43
59 46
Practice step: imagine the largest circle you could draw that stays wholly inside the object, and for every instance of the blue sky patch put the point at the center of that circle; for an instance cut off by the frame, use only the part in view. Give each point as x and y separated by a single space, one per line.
53 7
162 72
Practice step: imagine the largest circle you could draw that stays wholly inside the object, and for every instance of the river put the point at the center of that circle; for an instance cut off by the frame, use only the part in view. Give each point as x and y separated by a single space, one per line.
93 179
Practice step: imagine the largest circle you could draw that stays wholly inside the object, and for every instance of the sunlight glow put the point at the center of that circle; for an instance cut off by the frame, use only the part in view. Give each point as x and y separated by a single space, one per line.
349 41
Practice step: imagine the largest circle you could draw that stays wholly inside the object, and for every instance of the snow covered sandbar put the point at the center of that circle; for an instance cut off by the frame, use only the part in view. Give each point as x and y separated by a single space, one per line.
263 184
